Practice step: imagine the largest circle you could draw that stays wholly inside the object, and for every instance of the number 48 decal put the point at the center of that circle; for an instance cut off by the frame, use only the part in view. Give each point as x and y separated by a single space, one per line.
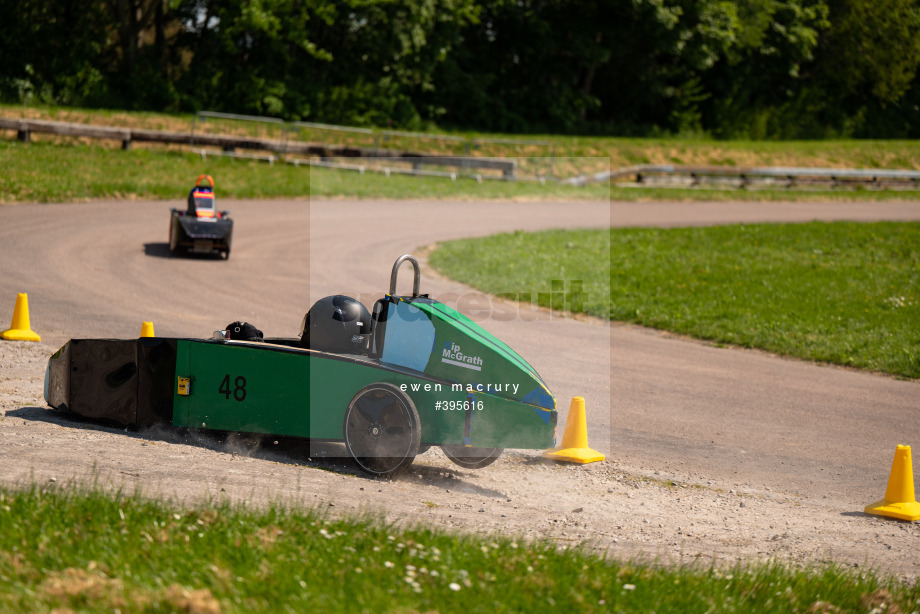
239 388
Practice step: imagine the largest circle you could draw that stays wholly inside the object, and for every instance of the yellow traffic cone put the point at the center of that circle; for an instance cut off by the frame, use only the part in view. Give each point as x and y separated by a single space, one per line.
899 499
20 329
575 438
147 329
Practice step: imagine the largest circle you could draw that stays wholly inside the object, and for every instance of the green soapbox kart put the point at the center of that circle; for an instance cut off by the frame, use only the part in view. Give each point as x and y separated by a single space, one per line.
390 383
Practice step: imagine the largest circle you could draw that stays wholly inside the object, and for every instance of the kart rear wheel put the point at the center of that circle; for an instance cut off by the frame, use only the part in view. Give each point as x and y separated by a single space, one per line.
174 248
382 429
471 458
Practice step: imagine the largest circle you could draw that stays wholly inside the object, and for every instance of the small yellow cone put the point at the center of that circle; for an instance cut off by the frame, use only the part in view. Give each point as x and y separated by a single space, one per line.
20 329
899 501
147 329
575 438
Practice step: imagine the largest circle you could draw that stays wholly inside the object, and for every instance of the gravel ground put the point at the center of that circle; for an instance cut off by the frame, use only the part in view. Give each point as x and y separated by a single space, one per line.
627 511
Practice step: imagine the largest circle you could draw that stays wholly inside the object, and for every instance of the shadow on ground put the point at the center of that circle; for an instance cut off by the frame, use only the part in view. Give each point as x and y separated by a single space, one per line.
156 250
161 250
322 455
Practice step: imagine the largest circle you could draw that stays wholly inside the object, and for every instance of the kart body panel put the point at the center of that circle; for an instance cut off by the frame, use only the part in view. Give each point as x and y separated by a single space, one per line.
272 388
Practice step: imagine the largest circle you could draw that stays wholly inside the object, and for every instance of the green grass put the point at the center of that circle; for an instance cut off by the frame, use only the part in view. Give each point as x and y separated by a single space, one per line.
49 172
843 293
864 153
46 172
56 169
66 550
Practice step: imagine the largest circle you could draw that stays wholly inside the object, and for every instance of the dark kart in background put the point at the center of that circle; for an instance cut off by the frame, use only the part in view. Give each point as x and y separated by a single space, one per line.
201 228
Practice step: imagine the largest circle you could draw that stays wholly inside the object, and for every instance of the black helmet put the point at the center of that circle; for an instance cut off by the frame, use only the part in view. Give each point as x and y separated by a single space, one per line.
336 324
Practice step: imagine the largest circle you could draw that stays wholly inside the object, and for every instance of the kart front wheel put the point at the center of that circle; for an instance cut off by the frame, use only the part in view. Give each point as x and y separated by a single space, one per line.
382 429
469 457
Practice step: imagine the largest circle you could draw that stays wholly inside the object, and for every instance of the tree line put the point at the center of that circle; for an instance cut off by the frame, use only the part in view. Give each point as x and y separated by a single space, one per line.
763 69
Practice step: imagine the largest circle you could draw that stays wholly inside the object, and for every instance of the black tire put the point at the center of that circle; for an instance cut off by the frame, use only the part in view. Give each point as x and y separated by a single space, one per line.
174 248
382 429
471 458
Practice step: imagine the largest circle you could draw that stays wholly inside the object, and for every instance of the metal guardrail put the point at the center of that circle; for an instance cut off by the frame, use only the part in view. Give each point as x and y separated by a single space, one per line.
226 145
420 150
331 127
229 146
287 142
651 174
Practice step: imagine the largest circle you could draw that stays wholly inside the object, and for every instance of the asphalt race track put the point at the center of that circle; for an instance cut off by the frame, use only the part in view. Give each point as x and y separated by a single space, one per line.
655 402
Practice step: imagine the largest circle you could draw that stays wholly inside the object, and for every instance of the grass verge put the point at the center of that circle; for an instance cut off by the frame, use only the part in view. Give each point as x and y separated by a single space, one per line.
52 172
844 293
48 172
695 151
44 172
65 550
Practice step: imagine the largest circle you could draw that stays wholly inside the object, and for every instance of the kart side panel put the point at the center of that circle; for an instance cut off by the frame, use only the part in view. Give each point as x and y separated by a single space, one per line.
444 344
103 379
156 368
261 388
242 387
125 381
271 389
329 402
57 378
